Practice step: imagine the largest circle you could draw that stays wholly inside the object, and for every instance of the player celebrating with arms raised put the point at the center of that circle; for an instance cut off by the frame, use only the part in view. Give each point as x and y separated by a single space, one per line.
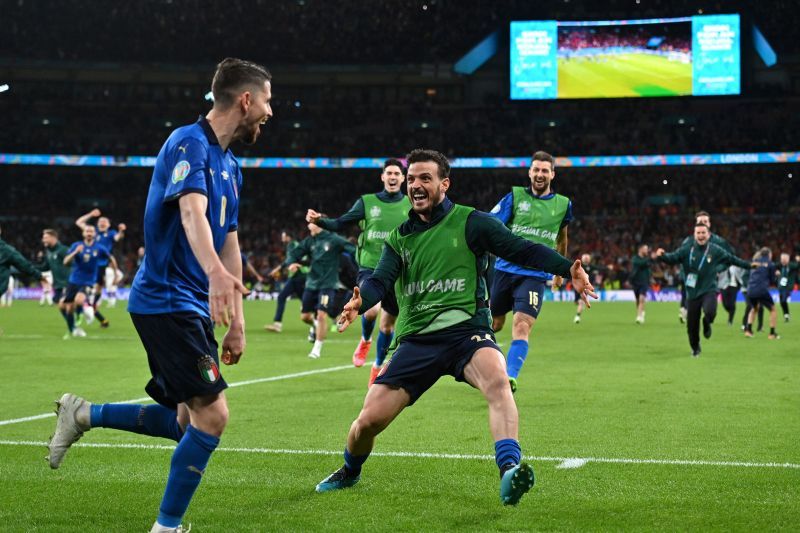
190 279
85 256
438 257
106 237
377 215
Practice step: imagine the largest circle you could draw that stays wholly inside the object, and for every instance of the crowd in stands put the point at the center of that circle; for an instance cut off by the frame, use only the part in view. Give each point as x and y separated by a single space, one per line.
319 121
669 37
316 31
615 209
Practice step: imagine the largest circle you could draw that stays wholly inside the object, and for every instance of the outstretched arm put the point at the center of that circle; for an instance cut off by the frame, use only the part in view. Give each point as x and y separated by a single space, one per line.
355 214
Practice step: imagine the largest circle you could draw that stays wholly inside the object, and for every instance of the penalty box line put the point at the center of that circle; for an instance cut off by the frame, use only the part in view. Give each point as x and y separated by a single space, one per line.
236 384
564 462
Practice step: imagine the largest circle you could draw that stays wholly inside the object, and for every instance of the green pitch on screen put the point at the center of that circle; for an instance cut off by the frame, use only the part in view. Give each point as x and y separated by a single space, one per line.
623 75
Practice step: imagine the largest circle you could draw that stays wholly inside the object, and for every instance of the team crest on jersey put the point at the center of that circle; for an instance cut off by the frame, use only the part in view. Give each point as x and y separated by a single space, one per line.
375 211
180 171
326 247
225 175
525 206
406 256
208 368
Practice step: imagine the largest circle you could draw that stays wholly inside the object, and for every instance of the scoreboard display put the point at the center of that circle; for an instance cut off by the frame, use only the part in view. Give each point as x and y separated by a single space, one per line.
685 56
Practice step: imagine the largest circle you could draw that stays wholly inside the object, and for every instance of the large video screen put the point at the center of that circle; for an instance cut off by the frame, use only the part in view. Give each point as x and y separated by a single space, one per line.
697 55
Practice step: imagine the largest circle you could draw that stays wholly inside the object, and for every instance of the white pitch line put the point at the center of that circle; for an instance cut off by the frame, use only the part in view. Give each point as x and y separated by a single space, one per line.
572 463
235 384
424 455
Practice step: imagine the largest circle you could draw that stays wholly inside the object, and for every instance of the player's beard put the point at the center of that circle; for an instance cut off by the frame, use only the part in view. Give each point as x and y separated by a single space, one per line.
540 189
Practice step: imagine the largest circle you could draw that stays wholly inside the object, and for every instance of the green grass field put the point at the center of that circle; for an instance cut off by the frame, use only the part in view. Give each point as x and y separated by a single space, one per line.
622 75
674 443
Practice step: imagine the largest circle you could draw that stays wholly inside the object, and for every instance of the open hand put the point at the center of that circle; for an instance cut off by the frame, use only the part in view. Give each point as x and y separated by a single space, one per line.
580 282
350 311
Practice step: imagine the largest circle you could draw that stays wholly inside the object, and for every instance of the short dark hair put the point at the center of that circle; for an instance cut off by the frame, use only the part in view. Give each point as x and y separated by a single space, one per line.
50 231
232 75
391 162
423 155
701 214
544 156
701 225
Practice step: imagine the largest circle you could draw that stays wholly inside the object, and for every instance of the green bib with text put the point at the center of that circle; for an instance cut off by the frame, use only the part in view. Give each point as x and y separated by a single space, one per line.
438 281
380 218
537 220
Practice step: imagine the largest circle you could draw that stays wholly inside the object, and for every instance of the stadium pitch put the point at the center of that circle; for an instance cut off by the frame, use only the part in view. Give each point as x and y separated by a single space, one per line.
625 431
621 75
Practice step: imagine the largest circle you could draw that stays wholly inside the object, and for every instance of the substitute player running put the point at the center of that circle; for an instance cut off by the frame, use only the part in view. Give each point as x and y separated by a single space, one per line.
762 275
377 215
190 280
787 277
294 285
323 249
53 260
640 278
537 214
438 258
700 261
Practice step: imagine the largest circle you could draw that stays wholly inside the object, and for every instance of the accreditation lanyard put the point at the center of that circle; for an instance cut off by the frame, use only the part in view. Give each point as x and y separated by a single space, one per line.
702 259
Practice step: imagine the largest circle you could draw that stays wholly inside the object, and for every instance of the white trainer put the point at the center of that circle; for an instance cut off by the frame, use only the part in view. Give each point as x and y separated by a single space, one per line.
158 528
277 327
78 332
577 319
314 355
71 423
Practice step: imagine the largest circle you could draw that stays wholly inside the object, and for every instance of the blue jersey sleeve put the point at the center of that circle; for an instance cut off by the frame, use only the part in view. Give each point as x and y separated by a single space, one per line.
189 172
503 210
568 215
73 246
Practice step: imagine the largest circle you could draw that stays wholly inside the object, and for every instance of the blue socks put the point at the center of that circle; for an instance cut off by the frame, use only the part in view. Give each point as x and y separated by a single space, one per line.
367 326
384 341
154 420
516 357
353 462
189 461
506 452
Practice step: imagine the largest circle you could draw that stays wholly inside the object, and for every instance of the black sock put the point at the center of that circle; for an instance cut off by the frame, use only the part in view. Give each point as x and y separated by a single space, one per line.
505 468
100 316
772 331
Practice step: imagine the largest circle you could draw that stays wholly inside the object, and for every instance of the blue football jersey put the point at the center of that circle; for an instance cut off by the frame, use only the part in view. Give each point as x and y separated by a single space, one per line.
170 279
86 263
106 239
